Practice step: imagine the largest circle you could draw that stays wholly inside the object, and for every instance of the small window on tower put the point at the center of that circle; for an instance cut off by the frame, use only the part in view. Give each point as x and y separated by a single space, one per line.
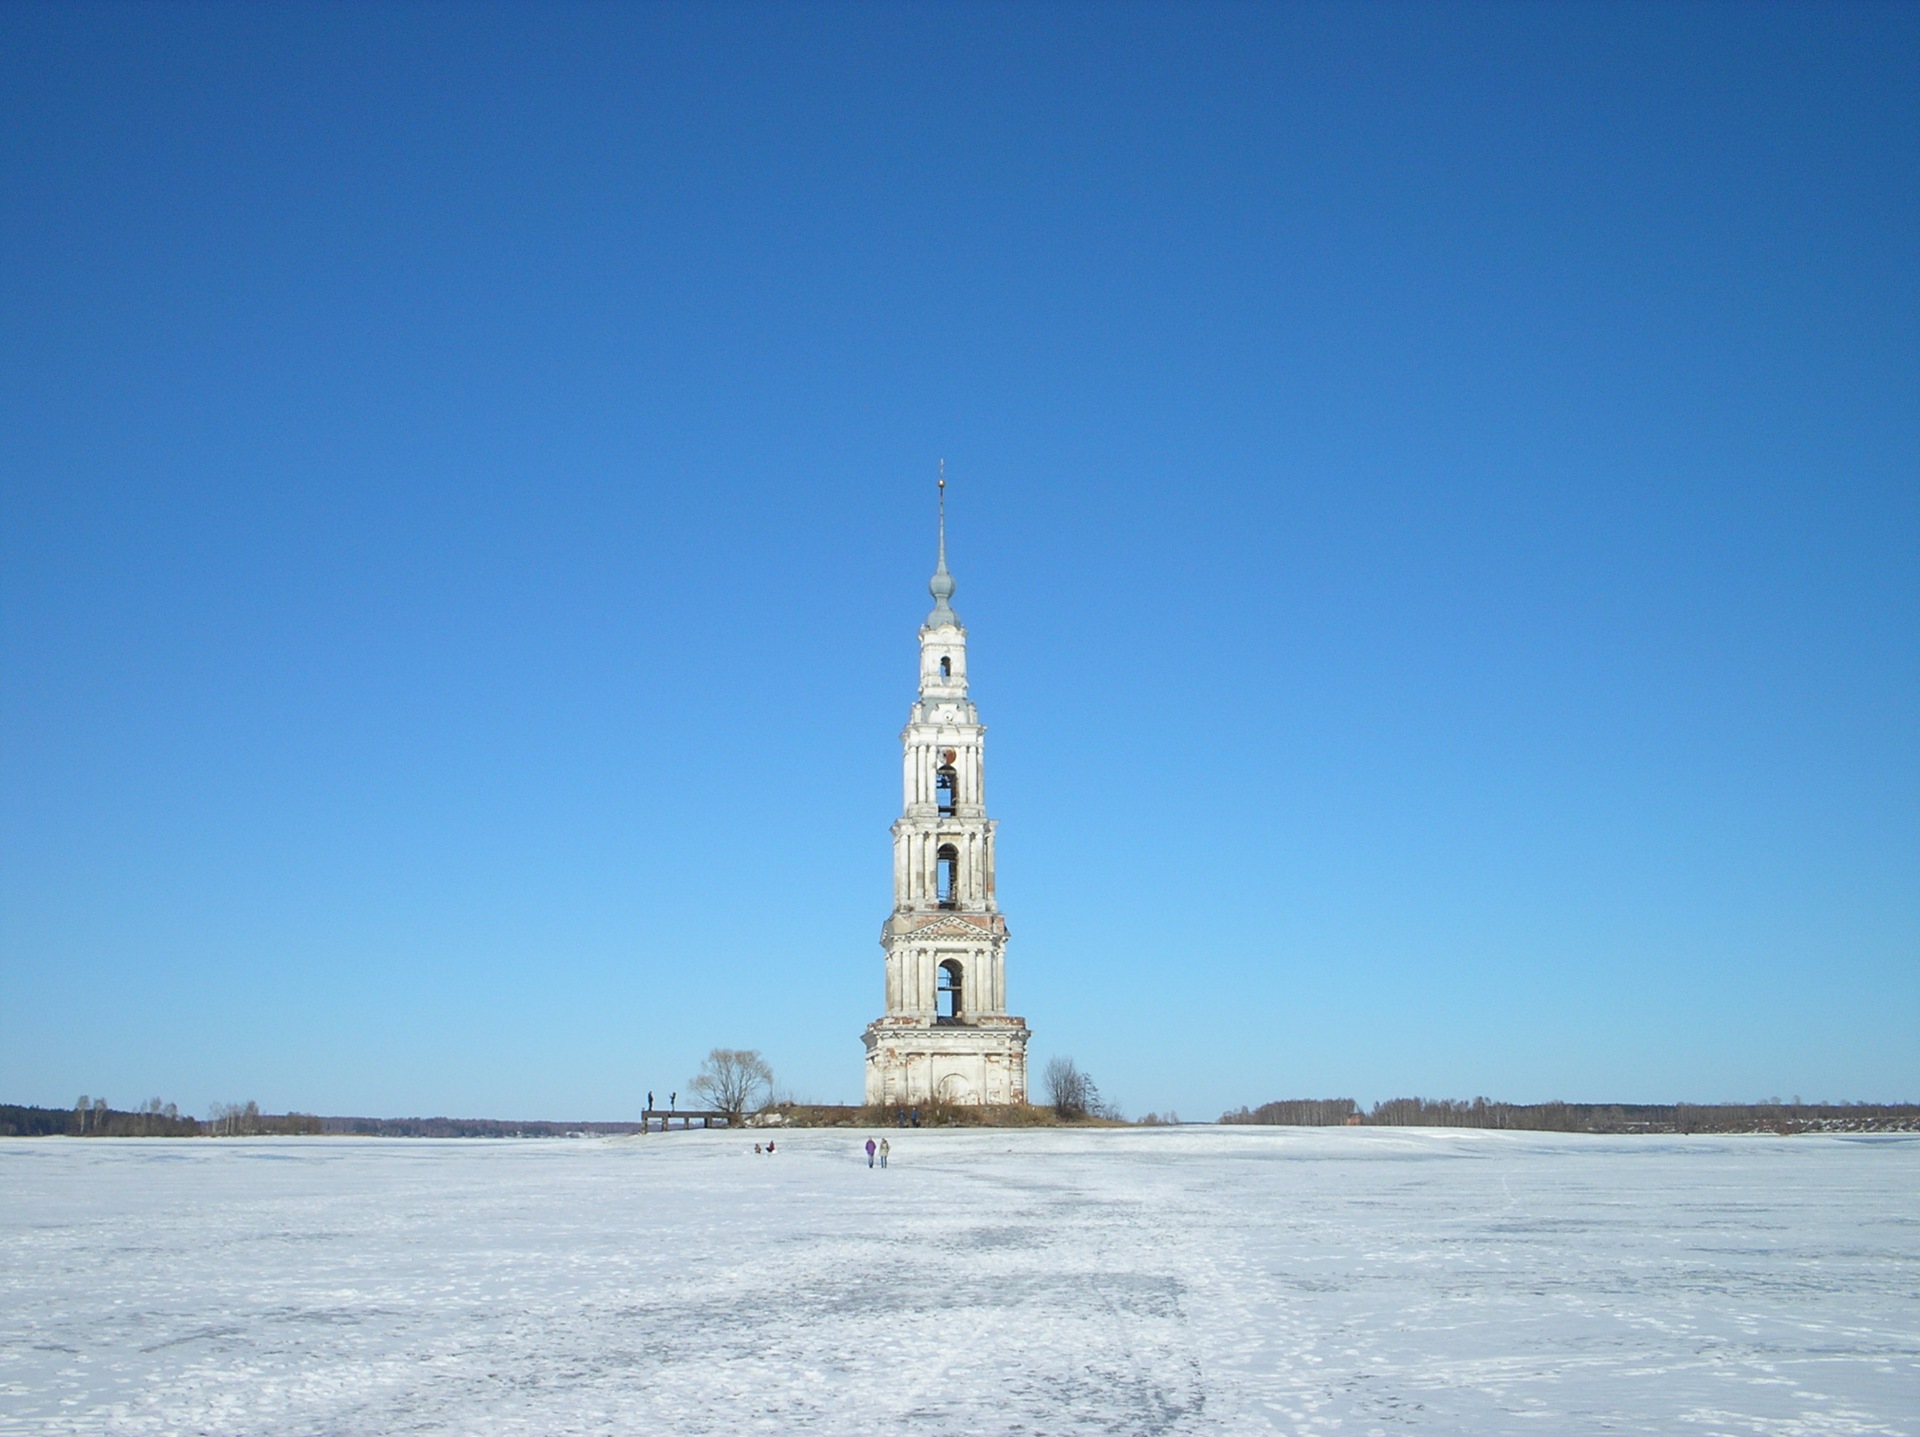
943 786
947 875
946 667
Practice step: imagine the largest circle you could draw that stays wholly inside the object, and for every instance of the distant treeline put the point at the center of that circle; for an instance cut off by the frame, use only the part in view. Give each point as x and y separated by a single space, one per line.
1771 1116
94 1122
245 1120
463 1128
94 1119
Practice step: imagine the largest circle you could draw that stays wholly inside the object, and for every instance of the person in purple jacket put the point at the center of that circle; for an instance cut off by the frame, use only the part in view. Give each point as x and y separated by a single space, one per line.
869 1152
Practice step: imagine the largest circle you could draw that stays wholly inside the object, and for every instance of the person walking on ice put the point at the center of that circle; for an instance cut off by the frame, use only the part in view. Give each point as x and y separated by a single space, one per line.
884 1146
869 1152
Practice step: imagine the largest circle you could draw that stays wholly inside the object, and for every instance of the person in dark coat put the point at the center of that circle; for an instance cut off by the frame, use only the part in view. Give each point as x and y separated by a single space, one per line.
870 1151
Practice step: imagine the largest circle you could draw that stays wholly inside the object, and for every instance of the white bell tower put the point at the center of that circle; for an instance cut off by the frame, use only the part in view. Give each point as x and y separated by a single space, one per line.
946 1035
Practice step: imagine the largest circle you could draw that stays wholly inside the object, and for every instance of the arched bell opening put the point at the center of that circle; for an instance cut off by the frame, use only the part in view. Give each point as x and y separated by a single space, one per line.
946 667
944 786
947 993
947 875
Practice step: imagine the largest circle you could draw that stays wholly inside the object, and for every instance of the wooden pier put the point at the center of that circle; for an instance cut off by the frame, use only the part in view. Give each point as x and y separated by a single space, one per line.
668 1117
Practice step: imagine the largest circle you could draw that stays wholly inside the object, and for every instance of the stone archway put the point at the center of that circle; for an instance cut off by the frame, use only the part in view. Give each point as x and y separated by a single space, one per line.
955 1089
949 987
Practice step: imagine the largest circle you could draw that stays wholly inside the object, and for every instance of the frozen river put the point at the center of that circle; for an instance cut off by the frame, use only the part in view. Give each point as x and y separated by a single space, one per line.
1232 1280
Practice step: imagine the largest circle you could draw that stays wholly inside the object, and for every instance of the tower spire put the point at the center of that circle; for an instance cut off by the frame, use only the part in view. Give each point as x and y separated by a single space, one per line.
942 585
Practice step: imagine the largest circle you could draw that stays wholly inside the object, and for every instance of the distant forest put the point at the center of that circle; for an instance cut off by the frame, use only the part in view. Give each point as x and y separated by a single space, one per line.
89 1120
1772 1116
465 1128
92 1118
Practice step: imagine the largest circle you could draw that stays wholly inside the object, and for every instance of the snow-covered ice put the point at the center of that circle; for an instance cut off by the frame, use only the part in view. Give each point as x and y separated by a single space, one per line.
1232 1280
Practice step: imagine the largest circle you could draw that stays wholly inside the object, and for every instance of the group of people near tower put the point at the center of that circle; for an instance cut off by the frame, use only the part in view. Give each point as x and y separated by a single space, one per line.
875 1150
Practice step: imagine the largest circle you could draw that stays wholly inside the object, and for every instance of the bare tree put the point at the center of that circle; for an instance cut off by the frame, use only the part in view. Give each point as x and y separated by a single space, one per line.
733 1080
236 1120
1074 1093
1066 1088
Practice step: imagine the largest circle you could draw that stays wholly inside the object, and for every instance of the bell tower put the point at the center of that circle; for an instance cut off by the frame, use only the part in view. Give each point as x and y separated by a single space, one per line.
946 1035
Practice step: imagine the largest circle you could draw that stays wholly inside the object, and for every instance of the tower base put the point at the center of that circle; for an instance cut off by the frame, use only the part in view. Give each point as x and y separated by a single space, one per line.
975 1063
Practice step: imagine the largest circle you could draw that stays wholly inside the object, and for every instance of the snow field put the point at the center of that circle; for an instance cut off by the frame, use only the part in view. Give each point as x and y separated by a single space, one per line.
1203 1280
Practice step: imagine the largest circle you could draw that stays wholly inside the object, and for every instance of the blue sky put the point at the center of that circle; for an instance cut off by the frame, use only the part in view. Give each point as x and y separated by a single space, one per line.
1435 501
